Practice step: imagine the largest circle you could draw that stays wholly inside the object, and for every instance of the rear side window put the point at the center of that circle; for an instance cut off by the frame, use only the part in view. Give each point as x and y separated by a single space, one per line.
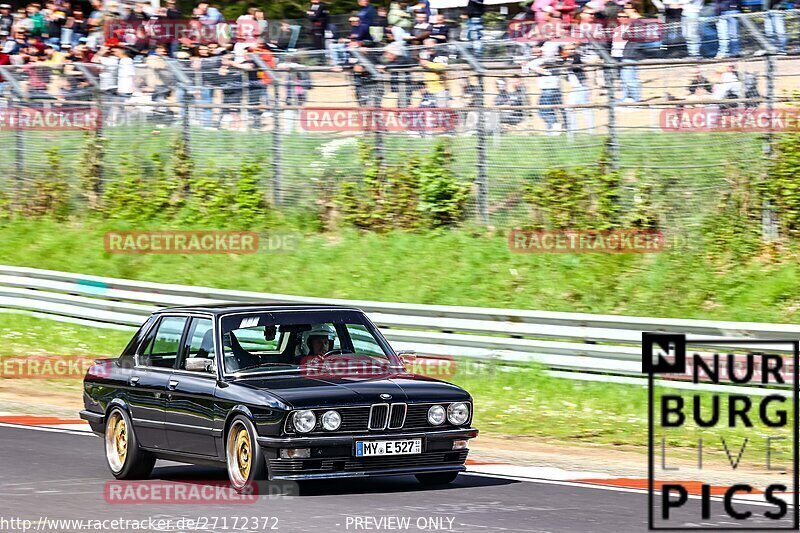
162 349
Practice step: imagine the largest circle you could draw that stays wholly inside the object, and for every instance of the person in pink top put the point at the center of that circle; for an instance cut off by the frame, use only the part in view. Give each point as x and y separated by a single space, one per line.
539 11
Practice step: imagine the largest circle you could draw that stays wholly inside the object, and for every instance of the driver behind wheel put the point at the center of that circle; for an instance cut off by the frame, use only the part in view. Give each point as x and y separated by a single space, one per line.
318 340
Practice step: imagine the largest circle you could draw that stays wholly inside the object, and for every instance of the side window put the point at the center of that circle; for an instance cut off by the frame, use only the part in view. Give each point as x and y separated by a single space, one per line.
200 350
363 341
162 349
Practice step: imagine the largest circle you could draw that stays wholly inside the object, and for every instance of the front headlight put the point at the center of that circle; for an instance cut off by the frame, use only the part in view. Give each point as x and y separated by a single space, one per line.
458 413
331 420
436 415
304 421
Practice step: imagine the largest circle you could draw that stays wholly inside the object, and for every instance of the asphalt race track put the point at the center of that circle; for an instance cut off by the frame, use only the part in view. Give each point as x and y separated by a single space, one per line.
60 475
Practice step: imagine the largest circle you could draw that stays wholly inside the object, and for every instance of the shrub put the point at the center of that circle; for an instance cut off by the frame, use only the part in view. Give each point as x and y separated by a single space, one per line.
48 192
416 194
782 185
91 169
442 197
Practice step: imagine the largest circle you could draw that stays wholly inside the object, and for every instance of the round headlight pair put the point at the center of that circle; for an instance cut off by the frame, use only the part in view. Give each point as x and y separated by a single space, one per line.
457 414
305 421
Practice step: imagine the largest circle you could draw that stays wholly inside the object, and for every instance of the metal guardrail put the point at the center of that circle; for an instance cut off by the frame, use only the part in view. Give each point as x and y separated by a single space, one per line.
591 344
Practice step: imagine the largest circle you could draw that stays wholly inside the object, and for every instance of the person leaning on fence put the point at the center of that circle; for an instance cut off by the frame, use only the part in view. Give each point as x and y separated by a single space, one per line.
399 65
550 90
368 90
435 93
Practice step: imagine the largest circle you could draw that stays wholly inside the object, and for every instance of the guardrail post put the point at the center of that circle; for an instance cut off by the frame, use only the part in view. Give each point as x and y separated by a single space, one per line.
482 180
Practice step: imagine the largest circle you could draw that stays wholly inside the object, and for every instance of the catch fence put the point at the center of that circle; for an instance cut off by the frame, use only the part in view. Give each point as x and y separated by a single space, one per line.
506 118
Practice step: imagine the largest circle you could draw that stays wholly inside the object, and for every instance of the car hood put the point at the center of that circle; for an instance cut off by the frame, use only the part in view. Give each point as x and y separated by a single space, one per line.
300 391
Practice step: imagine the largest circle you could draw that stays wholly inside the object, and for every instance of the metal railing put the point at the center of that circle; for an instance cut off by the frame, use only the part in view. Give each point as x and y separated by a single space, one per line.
574 345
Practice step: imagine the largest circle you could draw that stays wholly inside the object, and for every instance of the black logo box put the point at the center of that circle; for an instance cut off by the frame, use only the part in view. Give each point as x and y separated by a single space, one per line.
677 342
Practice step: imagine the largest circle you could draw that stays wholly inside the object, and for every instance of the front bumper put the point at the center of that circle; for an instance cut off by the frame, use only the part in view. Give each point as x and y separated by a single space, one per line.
333 456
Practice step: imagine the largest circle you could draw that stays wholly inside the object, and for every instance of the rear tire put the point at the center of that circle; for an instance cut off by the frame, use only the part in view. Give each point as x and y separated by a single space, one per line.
436 479
124 457
244 458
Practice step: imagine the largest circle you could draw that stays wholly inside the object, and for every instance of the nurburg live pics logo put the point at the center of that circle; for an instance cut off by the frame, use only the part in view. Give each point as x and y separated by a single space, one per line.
717 403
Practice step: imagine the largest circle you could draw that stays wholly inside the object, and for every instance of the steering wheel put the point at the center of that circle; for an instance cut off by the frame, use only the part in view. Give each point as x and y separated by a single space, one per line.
337 351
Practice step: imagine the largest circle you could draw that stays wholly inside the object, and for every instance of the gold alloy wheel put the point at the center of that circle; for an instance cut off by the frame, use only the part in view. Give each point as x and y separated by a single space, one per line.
240 454
116 441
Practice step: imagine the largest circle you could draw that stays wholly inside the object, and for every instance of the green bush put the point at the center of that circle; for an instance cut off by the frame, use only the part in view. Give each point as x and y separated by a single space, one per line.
782 185
91 169
48 191
733 231
442 197
417 194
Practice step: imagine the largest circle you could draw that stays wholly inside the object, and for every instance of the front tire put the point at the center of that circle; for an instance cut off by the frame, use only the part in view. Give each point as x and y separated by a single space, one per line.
124 457
436 479
244 458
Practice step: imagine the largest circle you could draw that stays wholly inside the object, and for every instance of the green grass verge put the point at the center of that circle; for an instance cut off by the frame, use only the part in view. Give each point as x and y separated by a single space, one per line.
450 267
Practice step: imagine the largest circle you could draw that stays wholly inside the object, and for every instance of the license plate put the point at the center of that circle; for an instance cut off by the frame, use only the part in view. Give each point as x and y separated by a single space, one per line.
371 448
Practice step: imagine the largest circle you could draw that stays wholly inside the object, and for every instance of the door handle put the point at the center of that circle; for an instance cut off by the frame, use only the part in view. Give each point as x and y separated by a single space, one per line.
134 380
172 384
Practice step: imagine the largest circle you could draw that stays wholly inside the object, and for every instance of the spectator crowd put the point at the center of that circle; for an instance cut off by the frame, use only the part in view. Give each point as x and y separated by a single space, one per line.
398 48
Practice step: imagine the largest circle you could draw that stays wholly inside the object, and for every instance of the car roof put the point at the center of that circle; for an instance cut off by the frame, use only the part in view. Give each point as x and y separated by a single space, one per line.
237 307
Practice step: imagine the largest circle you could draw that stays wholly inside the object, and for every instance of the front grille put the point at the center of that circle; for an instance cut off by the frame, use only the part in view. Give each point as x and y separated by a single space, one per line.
397 415
286 467
378 416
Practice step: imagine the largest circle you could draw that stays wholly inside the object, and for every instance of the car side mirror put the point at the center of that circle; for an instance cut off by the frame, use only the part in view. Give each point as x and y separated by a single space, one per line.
407 356
199 364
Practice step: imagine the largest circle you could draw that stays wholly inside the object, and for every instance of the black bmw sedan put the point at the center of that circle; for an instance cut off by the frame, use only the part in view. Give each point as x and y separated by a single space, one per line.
274 392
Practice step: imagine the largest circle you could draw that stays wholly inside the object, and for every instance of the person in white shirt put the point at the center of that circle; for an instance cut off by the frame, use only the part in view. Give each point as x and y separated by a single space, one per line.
550 87
126 72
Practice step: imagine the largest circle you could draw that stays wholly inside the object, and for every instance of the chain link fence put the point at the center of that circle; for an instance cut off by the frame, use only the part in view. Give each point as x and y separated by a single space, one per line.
508 112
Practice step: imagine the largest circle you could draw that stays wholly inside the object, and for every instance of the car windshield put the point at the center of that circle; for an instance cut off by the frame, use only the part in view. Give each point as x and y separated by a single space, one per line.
307 340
